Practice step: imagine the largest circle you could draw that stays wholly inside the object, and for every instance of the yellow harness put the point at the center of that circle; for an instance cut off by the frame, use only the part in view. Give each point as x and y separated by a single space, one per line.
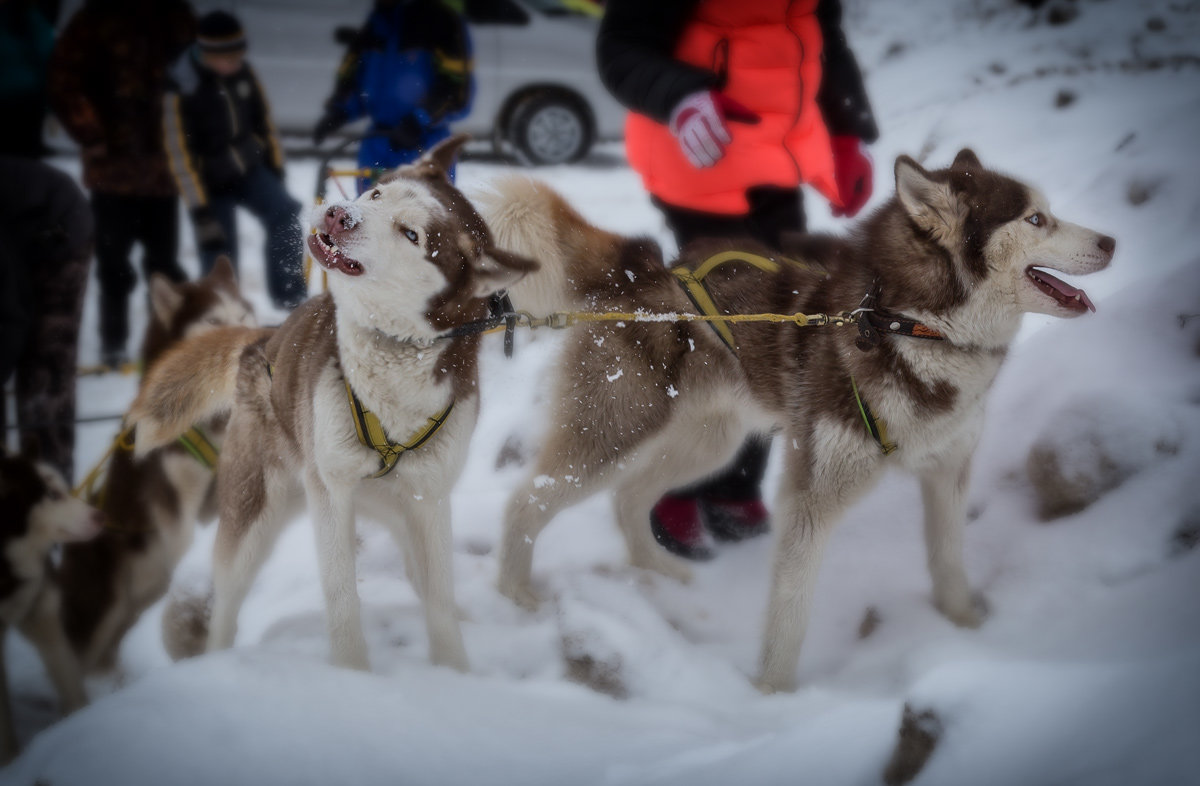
194 441
693 286
692 283
372 434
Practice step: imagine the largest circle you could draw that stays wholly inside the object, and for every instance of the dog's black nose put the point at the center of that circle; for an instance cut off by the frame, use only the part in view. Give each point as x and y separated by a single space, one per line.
1107 244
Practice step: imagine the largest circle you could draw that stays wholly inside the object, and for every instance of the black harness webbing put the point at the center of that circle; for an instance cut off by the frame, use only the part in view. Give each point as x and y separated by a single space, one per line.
502 313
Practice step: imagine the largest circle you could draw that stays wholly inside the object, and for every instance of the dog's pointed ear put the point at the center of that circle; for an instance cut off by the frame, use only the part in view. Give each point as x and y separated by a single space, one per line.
498 269
966 160
443 155
931 204
165 299
223 273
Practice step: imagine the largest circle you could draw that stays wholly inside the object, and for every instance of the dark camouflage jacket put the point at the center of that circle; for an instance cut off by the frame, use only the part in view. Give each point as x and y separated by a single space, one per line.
106 82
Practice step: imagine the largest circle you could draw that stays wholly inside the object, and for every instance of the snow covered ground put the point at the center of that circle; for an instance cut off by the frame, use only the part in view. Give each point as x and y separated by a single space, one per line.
1087 670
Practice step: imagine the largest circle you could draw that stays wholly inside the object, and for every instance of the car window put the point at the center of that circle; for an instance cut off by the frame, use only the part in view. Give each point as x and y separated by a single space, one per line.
567 7
495 12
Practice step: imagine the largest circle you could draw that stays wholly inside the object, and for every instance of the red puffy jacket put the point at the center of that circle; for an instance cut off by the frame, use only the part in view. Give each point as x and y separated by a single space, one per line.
767 55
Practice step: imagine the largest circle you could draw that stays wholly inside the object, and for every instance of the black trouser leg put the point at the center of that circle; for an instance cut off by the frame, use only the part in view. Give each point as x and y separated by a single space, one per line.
46 374
159 233
116 219
773 212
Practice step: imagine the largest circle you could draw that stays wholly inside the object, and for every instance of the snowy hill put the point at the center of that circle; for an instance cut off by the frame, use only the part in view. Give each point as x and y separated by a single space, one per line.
1087 670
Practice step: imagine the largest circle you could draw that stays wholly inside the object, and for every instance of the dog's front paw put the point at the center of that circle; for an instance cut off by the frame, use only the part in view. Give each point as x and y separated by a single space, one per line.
521 595
450 657
349 657
968 614
769 687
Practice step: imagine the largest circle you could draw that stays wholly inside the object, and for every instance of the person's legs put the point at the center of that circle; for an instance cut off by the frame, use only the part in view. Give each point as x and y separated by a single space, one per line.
731 502
224 209
46 371
159 233
265 195
115 220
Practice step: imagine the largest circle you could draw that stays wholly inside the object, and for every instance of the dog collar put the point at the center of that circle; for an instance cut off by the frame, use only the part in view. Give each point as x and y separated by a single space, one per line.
501 313
874 322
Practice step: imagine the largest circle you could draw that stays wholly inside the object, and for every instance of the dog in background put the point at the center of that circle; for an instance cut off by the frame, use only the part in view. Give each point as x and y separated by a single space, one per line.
944 271
364 399
152 503
37 512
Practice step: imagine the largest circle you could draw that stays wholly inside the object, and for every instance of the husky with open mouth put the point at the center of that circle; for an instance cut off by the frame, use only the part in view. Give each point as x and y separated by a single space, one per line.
364 400
933 285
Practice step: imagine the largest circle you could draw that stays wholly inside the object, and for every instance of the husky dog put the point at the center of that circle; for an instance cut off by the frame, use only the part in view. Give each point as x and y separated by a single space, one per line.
153 503
410 264
37 511
947 267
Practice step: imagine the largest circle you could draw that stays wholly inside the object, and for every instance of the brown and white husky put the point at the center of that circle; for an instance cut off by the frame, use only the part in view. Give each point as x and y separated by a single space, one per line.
409 261
37 512
947 267
153 503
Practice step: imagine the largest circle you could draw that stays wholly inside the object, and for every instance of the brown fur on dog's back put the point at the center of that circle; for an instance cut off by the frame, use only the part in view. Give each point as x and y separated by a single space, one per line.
192 382
523 214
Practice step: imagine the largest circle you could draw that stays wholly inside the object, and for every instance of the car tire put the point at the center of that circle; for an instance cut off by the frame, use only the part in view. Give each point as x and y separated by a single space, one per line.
550 128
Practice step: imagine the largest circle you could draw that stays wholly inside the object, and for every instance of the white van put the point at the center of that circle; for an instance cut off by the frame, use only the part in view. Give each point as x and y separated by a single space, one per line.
538 94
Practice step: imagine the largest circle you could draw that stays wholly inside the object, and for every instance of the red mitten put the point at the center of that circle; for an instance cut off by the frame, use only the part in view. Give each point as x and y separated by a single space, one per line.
852 169
700 124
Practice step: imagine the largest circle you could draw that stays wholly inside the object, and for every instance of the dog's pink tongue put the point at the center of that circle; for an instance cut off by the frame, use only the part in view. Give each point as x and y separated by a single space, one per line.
1066 290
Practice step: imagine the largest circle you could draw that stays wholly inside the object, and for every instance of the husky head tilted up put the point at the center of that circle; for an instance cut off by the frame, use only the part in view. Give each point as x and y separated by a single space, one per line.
935 282
365 397
412 233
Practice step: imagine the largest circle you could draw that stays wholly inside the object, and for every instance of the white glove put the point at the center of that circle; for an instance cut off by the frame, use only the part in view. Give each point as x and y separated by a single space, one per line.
700 124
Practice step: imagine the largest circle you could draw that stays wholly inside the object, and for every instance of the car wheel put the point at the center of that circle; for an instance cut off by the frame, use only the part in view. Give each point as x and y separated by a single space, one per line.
550 129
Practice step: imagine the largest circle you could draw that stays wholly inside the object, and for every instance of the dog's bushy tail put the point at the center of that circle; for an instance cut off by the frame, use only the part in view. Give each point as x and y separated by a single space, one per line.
186 618
532 219
192 382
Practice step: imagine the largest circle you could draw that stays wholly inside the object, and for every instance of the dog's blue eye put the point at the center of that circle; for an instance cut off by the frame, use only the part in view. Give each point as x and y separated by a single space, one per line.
375 194
1036 219
411 235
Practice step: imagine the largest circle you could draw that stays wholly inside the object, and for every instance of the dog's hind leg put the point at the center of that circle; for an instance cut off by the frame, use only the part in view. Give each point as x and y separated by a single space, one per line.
944 492
692 447
597 430
101 651
245 537
333 521
567 472
530 508
431 561
43 627
817 486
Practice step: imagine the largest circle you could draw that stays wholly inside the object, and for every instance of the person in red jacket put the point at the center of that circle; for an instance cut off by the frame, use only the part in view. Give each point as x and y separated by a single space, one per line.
733 106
